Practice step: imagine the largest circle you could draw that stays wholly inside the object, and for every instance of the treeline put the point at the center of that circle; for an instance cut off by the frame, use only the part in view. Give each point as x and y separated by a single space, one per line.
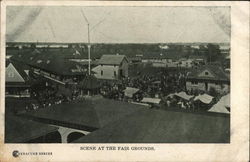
211 52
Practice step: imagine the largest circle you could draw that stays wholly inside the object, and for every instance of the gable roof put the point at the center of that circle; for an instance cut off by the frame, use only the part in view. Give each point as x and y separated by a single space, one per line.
216 71
112 59
19 71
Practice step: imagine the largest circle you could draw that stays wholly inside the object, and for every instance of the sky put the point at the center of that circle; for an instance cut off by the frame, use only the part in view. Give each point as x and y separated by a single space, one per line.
118 24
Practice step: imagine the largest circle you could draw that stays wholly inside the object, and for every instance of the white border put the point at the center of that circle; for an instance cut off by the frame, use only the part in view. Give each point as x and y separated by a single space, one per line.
237 150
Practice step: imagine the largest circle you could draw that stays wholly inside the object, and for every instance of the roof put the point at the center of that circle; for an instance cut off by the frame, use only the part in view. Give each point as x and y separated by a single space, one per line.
20 130
184 95
222 105
20 68
56 63
160 126
112 59
91 114
54 60
89 82
205 98
129 91
217 72
151 100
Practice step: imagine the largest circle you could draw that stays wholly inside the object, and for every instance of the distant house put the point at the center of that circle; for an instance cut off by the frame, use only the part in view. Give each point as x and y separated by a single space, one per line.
185 63
198 60
207 77
135 59
225 49
112 67
16 80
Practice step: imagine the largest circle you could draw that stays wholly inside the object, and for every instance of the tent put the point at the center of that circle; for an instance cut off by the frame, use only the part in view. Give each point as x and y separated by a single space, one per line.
221 105
226 100
129 91
151 100
205 98
184 95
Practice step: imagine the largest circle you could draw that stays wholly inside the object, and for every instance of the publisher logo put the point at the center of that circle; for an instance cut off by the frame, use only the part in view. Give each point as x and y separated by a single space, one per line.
15 153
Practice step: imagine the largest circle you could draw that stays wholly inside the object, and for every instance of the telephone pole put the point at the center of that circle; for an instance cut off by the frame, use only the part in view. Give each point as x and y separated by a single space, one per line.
89 45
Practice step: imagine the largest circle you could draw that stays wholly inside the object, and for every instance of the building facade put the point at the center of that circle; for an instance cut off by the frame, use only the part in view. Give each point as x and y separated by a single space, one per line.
16 80
112 67
208 77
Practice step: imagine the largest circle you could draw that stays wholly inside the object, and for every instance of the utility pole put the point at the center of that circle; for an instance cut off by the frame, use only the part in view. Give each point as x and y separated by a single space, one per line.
89 45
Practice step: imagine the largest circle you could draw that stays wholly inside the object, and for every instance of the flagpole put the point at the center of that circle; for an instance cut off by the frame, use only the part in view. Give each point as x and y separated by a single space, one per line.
89 46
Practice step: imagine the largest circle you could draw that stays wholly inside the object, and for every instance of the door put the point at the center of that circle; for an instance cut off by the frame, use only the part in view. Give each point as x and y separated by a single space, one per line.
206 86
120 73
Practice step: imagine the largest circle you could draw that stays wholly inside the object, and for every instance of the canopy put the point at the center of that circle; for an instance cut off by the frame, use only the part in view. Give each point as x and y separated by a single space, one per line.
157 82
205 98
151 100
184 95
129 91
221 105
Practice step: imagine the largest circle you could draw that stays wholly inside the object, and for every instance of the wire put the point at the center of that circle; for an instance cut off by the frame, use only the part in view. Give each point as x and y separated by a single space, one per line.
84 16
97 24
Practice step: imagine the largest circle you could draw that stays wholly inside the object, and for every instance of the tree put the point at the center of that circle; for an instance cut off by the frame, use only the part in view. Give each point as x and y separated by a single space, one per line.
214 53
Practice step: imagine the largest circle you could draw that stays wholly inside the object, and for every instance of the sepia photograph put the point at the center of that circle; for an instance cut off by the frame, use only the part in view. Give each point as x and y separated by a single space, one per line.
117 74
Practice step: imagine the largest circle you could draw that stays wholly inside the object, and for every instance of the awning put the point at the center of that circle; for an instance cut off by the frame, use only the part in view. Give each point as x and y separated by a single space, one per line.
157 82
221 105
184 95
205 98
151 100
129 91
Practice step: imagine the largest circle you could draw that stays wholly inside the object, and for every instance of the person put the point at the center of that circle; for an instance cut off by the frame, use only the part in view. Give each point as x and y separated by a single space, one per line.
183 105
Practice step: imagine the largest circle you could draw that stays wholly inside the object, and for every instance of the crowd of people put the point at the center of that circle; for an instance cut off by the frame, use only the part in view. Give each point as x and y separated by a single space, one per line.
159 85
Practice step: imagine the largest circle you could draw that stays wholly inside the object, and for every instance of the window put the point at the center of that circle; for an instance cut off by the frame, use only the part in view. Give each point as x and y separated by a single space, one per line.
11 74
206 73
194 82
115 73
101 72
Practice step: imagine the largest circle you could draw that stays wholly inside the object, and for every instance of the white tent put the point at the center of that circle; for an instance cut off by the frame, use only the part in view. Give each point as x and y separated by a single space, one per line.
151 100
205 98
129 91
184 95
221 105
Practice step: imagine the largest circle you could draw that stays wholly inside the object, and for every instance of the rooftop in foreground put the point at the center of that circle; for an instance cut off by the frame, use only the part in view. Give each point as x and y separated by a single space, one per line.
89 114
20 130
157 126
120 122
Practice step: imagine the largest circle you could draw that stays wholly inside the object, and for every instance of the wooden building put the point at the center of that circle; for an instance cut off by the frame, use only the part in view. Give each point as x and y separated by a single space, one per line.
207 77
